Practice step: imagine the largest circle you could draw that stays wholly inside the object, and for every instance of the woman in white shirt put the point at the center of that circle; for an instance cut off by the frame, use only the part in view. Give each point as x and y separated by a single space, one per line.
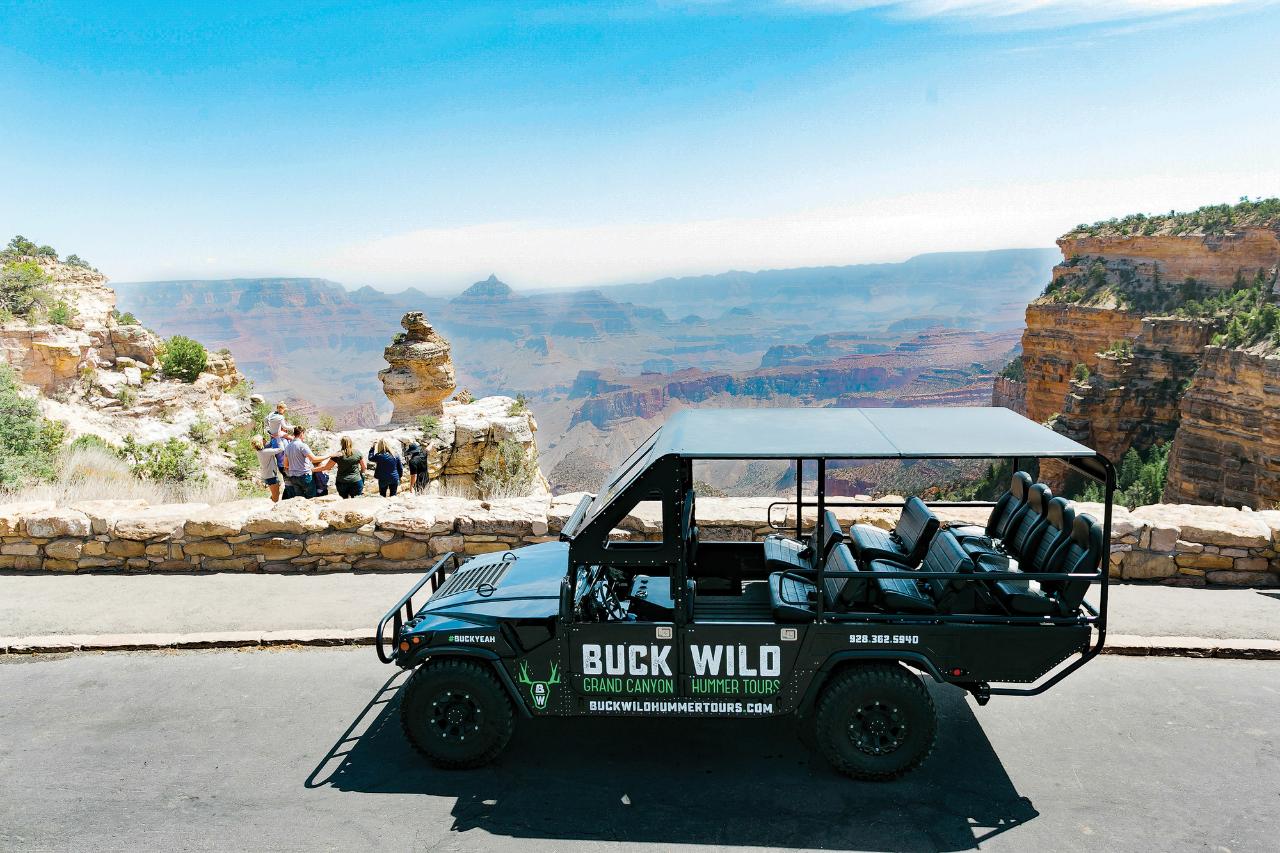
267 466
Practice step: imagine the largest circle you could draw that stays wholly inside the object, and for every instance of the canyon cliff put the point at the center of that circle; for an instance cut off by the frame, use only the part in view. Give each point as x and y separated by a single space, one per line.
1162 329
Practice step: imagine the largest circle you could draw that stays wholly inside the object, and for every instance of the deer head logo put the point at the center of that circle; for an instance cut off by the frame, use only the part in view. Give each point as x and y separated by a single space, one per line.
539 691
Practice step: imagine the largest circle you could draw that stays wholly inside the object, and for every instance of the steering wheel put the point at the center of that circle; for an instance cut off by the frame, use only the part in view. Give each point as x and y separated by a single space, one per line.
601 603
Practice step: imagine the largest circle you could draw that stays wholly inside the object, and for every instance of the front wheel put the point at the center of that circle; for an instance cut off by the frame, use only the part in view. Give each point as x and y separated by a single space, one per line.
875 722
456 714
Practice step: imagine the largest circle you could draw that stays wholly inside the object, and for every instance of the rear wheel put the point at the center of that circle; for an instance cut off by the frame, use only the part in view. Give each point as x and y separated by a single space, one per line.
875 722
456 714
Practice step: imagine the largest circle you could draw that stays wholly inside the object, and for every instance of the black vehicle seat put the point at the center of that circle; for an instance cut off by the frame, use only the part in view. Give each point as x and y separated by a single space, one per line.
929 595
794 595
1029 523
900 594
1081 555
1000 522
951 595
784 554
907 543
1027 598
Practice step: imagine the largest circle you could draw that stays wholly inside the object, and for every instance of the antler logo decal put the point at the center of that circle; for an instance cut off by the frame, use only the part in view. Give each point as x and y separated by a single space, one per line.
539 691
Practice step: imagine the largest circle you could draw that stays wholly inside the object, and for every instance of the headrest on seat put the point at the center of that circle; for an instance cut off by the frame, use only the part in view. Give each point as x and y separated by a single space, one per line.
1087 532
1019 484
1038 497
831 524
1060 513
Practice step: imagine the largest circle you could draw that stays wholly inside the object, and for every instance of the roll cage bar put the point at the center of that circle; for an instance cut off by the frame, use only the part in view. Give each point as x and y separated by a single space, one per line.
660 469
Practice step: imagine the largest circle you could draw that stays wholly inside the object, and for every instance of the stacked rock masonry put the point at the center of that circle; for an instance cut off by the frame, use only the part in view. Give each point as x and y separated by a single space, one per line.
1174 544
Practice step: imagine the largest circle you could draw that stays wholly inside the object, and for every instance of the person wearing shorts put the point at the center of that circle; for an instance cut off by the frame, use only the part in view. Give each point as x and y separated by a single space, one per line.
268 467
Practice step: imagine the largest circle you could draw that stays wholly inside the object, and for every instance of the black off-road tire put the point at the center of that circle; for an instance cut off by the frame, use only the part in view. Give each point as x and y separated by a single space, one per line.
875 722
456 714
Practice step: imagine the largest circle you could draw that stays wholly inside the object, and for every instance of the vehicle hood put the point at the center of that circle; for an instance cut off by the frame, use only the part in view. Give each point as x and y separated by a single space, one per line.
523 583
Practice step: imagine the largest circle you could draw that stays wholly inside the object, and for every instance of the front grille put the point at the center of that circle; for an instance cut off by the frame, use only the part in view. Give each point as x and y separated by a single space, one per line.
467 579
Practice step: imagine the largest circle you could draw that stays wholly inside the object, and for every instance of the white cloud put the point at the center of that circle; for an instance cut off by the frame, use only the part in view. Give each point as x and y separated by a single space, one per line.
1031 12
540 254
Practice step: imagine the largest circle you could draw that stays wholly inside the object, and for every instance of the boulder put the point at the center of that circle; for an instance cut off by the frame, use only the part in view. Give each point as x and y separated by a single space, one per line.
420 376
353 513
154 522
416 516
296 515
342 543
12 515
274 548
211 548
1234 578
518 517
103 512
405 549
1209 525
53 523
227 519
134 342
64 549
1144 565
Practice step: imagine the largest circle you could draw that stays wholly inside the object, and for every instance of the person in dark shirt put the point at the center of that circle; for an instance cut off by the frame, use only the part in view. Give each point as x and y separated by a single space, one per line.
386 468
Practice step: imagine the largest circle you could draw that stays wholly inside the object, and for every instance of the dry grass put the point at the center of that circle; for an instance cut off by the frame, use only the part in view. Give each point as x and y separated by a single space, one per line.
92 473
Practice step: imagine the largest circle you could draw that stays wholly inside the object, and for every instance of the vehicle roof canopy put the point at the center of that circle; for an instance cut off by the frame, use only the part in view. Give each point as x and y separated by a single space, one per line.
953 433
882 433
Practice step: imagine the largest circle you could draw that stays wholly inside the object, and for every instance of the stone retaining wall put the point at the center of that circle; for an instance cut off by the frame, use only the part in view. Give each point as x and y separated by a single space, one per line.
1172 543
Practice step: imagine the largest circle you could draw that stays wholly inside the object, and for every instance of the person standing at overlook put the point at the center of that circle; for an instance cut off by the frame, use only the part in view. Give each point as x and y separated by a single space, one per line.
351 468
387 468
278 431
268 467
299 463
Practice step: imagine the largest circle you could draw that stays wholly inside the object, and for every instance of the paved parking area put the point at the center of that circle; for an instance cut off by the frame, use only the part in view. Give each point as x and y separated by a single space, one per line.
301 750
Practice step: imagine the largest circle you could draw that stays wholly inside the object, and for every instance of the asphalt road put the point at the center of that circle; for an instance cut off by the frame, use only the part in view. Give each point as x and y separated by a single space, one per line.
301 750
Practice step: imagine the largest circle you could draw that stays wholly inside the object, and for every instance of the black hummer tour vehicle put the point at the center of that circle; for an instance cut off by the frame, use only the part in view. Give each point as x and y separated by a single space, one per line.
832 625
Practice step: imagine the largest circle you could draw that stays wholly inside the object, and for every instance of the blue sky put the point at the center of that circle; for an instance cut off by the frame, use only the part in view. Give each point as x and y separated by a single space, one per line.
393 143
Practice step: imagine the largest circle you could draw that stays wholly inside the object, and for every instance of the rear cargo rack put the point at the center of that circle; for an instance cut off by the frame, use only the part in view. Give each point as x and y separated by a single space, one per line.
403 610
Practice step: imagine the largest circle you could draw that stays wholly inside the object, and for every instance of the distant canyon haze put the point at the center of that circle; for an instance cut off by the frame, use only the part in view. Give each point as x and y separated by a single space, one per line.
603 366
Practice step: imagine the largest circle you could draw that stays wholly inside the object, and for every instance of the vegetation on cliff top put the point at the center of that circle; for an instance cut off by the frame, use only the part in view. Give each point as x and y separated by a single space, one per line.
1210 219
20 248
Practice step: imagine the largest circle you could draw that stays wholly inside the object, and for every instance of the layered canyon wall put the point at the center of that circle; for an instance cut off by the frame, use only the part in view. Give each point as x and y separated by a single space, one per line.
1119 353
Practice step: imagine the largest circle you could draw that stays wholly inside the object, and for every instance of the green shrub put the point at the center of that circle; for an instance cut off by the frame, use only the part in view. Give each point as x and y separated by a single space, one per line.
201 431
519 407
326 422
1122 348
1080 374
89 441
183 358
23 287
430 426
29 443
507 472
19 247
77 261
61 314
166 461
126 396
1015 370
